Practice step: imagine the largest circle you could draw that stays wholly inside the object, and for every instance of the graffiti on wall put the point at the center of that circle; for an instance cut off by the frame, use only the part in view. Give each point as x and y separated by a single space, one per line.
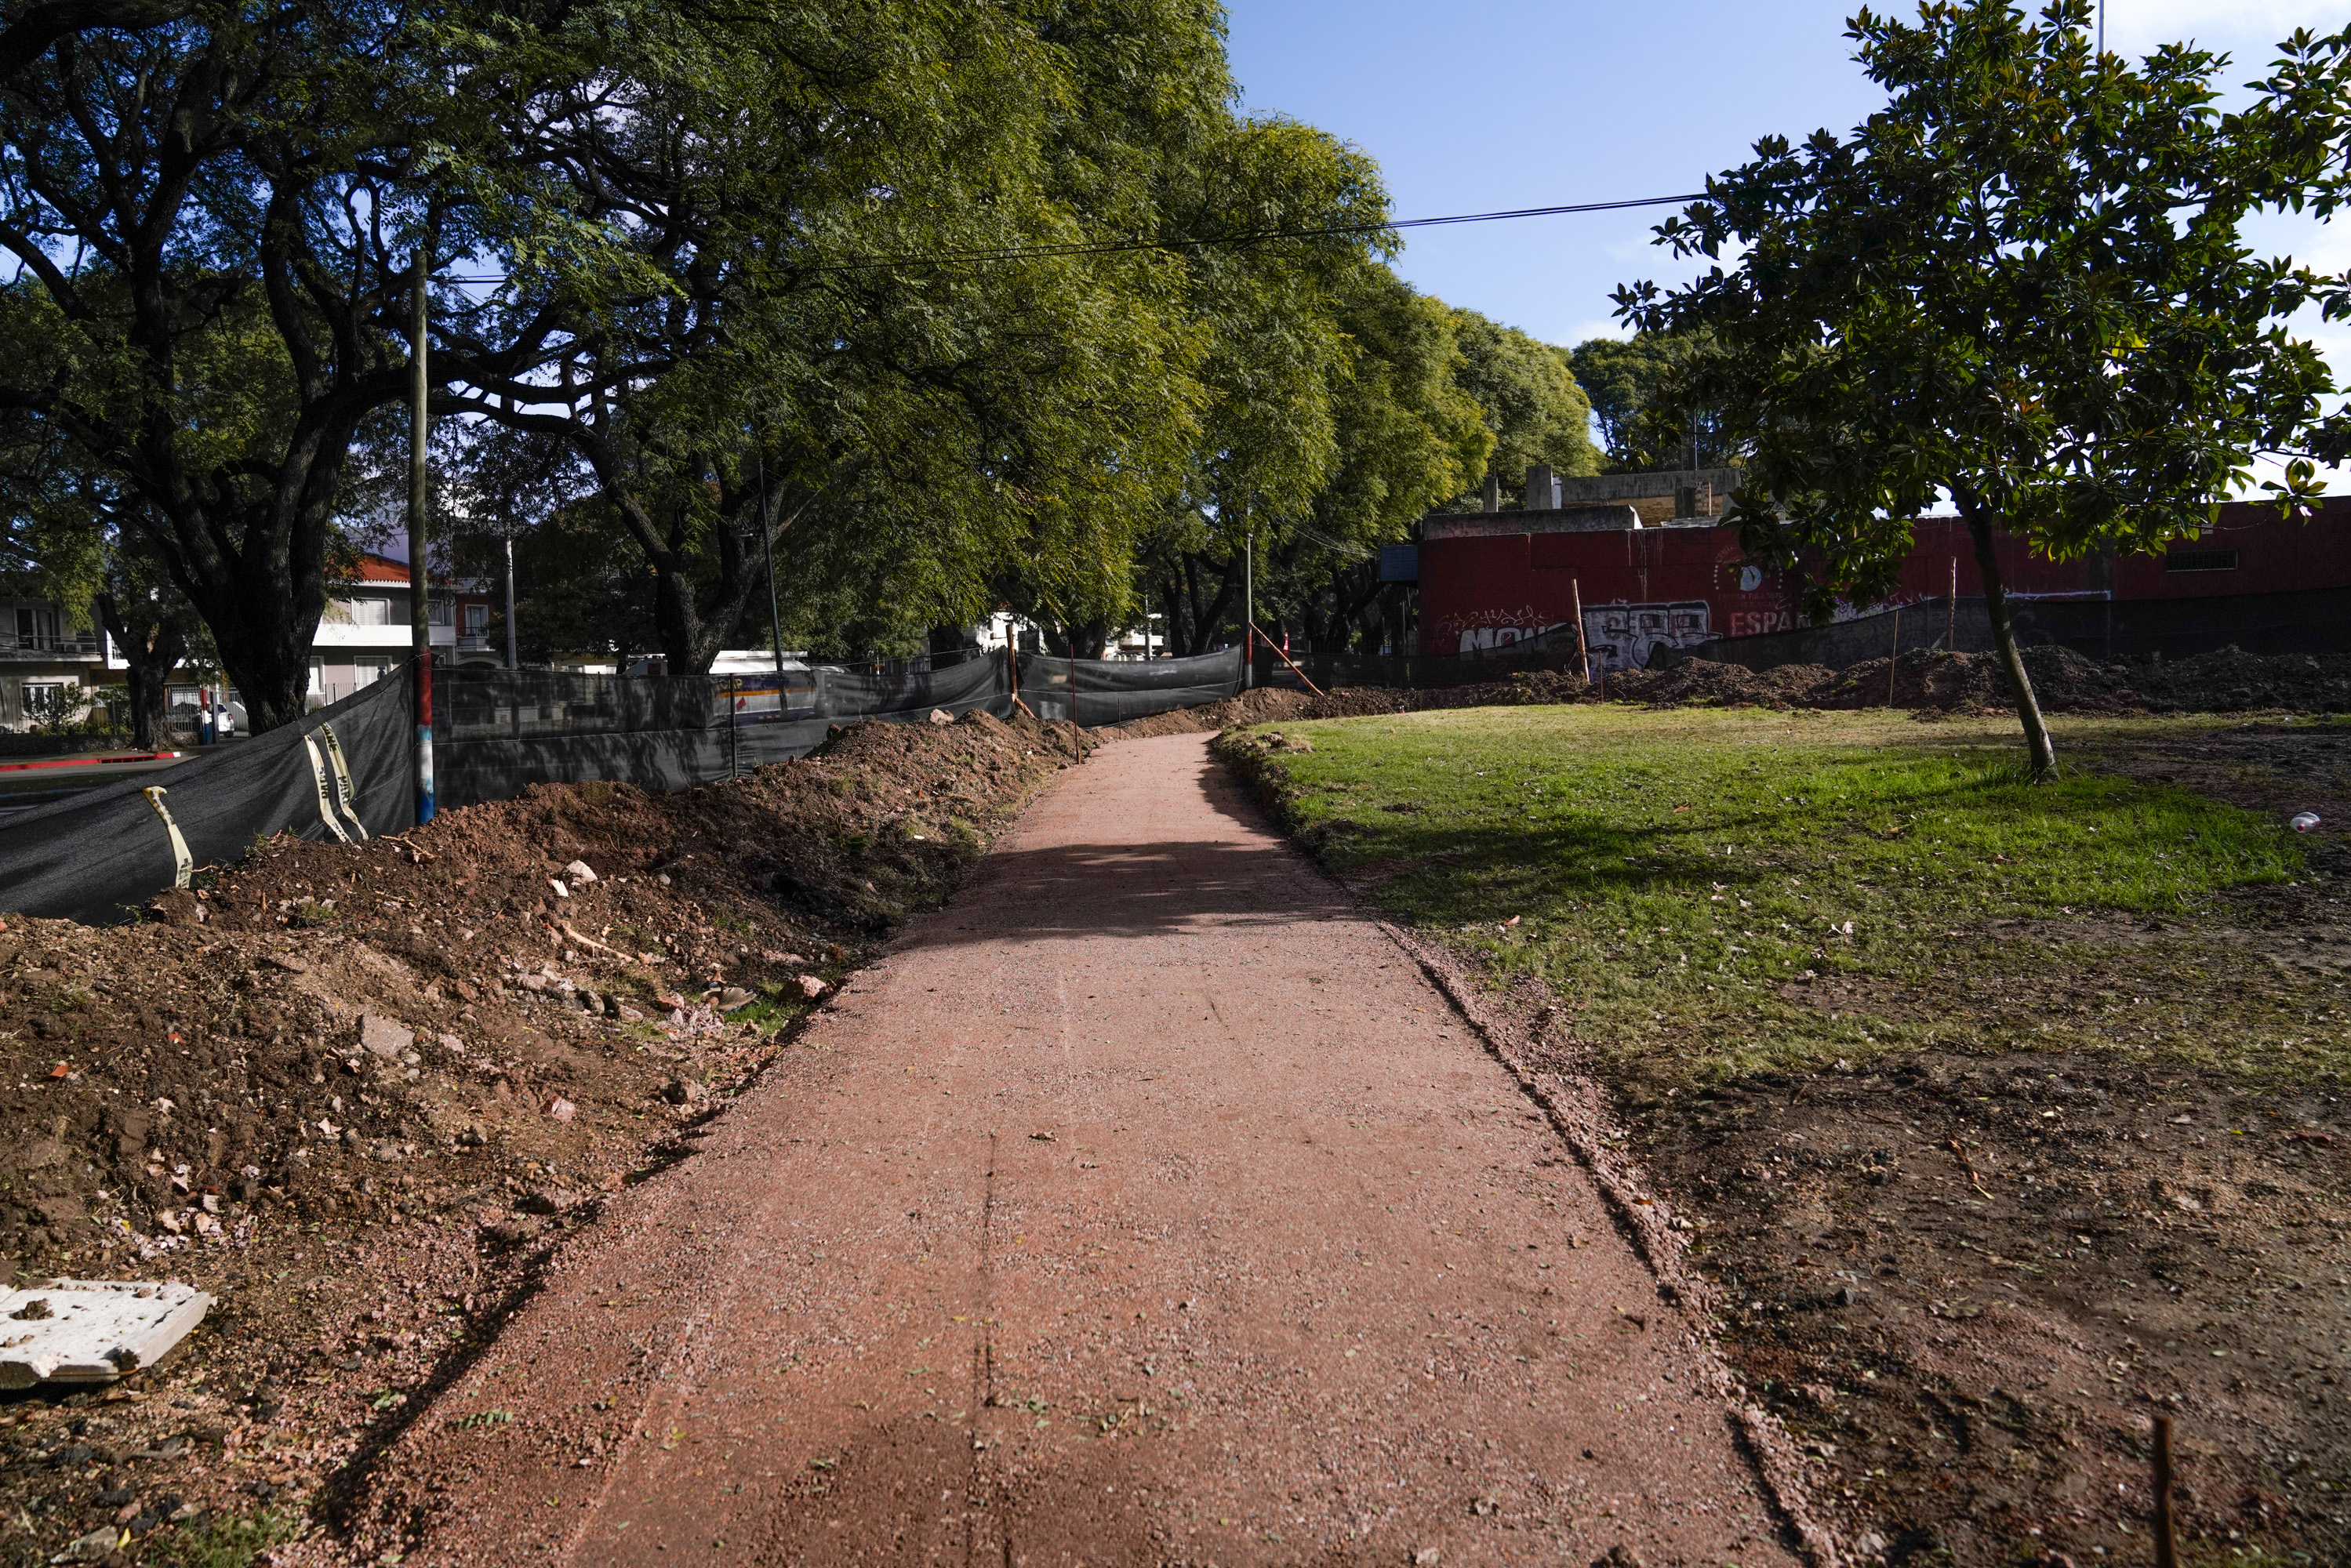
1623 636
1620 637
1485 630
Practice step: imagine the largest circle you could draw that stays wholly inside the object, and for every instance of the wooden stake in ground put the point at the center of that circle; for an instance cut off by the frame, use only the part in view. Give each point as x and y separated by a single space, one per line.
1582 652
1281 653
2167 1553
1951 637
1893 658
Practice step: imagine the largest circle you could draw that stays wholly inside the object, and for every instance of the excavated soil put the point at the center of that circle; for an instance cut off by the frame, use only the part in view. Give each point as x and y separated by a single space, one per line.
356 1093
2227 681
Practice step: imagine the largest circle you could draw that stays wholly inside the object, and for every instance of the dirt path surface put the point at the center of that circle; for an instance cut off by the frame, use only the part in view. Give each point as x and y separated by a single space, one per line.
1146 1206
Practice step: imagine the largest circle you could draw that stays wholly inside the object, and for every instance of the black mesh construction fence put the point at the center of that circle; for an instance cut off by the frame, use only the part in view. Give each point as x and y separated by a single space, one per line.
1553 650
2311 621
338 772
1112 691
348 769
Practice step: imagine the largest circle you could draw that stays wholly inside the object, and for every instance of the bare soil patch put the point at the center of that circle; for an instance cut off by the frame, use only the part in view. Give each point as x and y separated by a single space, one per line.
1967 1282
1926 682
356 1093
2227 681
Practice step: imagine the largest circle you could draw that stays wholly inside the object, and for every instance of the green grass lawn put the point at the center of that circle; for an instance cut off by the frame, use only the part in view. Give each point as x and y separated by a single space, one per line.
1720 891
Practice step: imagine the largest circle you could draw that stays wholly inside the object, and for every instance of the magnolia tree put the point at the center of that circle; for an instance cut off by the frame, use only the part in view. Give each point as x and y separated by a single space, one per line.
2021 286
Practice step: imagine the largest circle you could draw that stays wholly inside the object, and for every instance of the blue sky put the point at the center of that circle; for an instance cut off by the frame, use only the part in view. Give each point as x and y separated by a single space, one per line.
1477 105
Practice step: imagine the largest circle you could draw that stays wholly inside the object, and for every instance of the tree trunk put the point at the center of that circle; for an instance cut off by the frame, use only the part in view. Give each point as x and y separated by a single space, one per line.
1208 618
150 649
2003 639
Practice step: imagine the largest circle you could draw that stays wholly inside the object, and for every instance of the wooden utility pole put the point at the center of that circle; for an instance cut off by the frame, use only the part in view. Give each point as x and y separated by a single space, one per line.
1248 609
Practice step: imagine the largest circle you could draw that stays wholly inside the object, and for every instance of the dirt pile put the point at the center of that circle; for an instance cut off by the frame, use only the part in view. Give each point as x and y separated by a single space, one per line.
1270 705
349 1089
2227 681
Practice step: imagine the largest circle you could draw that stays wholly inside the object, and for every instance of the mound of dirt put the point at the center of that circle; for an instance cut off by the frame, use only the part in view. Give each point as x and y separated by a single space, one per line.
1270 704
1703 683
2227 681
349 1090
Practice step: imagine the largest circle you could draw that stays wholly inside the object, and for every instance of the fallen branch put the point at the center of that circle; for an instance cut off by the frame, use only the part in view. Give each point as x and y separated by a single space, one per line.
591 942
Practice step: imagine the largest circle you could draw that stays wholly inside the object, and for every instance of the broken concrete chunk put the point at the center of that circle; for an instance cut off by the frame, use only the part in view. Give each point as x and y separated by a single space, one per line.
94 1330
560 891
95 1547
941 715
383 1038
579 872
811 987
563 1110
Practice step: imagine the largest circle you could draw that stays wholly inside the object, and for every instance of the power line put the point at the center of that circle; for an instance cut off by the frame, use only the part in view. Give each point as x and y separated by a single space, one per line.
1108 247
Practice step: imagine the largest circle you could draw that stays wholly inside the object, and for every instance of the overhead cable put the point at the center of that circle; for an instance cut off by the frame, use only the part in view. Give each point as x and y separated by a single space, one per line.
1193 242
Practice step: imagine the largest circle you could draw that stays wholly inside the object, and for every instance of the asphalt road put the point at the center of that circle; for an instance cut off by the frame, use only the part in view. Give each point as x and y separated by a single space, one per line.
1146 1206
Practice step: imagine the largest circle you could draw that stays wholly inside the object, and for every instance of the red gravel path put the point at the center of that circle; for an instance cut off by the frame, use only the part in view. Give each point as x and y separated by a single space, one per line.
1147 1206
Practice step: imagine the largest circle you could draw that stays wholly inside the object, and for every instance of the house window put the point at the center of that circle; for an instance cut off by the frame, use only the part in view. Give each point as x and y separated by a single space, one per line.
368 672
370 611
477 619
437 609
2200 561
44 702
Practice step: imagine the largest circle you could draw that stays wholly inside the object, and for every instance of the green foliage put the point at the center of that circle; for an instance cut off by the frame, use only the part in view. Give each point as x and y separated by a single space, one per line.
1531 405
1624 379
1405 437
1675 872
2019 284
220 1541
711 305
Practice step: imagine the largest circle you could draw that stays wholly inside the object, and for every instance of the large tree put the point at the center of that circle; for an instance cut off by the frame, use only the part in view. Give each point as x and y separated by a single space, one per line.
2020 286
886 340
1624 377
1410 432
1530 402
217 215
